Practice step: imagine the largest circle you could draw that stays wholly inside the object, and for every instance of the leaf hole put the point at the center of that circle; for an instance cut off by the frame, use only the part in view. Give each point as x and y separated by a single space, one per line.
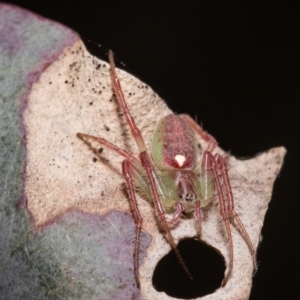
205 264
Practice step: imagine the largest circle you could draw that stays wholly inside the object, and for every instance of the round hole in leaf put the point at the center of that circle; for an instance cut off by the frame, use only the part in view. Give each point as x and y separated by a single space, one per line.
204 263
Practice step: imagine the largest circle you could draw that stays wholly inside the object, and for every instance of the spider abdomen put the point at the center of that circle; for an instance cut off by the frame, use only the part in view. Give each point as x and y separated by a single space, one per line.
173 145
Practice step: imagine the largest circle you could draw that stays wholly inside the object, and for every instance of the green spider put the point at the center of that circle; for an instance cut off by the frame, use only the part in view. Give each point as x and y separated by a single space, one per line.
168 177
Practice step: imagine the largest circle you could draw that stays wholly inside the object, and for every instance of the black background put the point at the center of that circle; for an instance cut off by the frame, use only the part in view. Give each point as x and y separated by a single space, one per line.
235 66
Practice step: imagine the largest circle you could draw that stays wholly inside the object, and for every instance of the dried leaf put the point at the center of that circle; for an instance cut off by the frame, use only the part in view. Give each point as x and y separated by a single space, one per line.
62 173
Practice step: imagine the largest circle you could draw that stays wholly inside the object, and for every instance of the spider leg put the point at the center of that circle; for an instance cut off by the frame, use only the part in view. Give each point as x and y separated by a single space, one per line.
131 168
221 165
121 99
127 171
135 162
177 215
204 135
152 177
209 165
145 160
198 217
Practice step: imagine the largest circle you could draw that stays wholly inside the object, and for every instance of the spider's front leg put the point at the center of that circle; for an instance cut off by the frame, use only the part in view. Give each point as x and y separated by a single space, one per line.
222 167
128 171
146 162
132 171
209 165
216 166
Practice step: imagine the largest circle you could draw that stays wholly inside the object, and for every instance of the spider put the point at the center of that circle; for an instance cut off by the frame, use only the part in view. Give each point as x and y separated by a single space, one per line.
168 176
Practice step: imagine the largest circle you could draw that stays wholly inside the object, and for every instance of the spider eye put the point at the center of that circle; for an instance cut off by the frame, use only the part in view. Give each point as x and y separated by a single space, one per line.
188 196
